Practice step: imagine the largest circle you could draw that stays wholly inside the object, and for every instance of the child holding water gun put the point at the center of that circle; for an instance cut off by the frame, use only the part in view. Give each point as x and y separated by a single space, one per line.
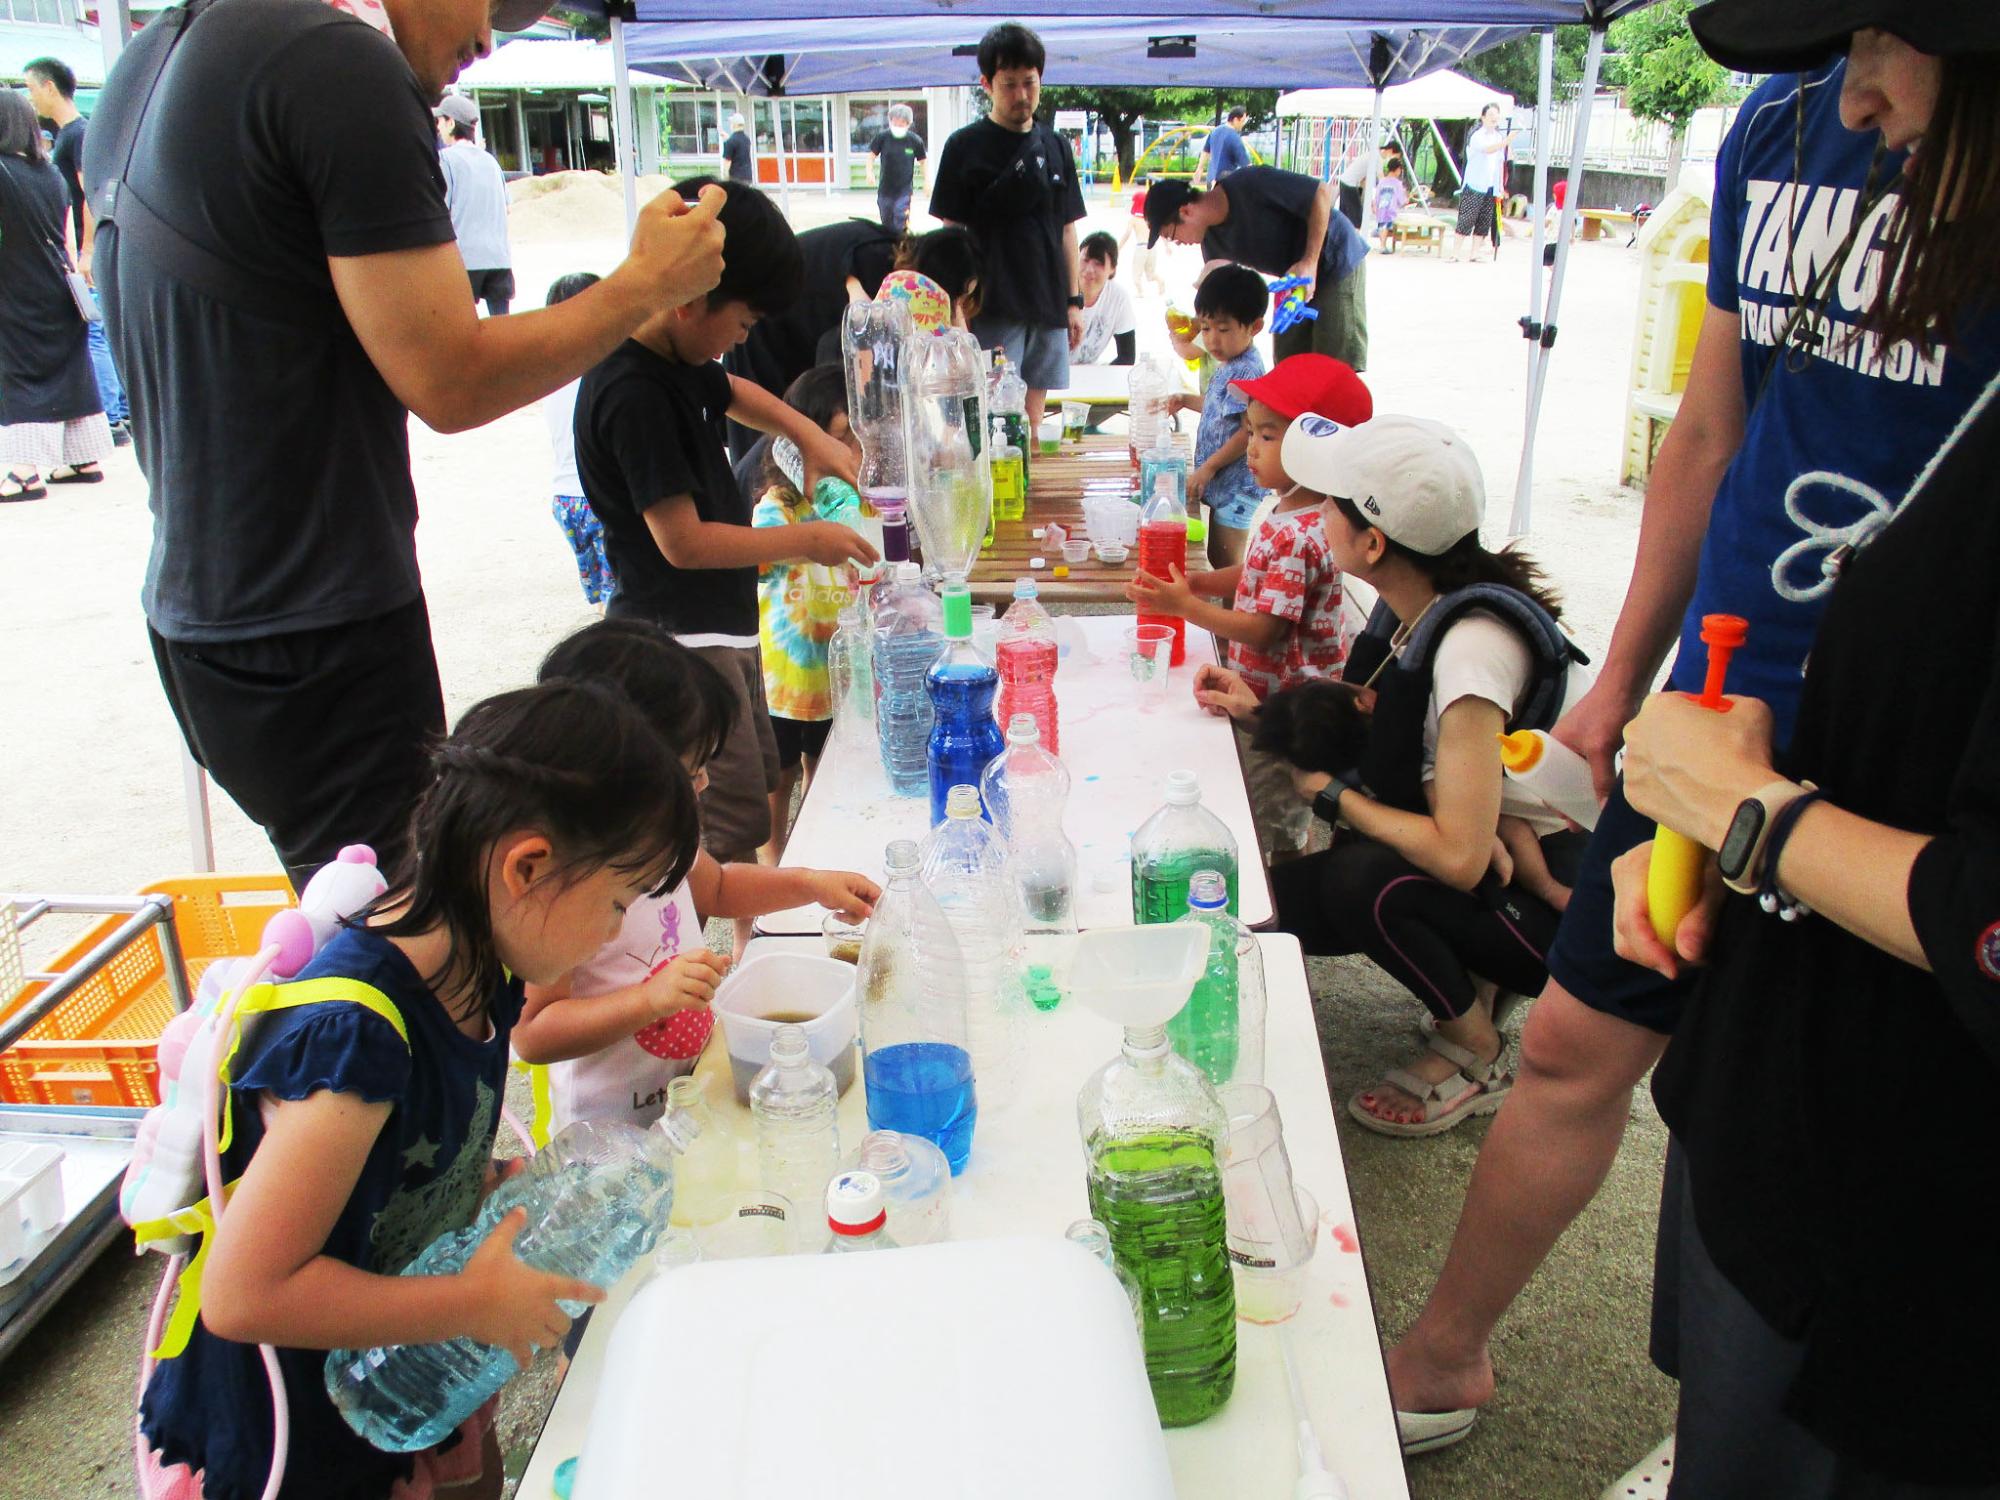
633 1015
361 1132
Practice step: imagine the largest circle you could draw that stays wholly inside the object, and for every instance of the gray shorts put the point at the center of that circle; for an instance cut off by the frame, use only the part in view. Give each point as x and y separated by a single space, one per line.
1040 354
735 806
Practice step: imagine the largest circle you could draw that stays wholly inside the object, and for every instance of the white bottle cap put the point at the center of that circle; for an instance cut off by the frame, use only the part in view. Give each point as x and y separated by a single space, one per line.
854 1204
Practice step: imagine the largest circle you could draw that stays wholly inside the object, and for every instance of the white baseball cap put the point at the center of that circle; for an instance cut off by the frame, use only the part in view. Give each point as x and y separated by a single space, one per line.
1414 480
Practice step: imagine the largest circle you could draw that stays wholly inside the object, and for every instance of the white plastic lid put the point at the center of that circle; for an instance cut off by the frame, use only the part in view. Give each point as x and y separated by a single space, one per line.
1183 788
854 1203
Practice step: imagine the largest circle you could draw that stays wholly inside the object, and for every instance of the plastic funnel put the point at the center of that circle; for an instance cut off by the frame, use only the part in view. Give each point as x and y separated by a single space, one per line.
1138 976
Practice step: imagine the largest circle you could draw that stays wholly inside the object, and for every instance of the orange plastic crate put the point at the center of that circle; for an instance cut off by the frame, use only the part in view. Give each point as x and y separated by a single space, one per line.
98 1047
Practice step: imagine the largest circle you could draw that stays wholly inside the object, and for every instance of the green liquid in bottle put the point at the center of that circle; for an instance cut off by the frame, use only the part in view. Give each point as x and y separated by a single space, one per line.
1205 1029
1160 887
1160 1195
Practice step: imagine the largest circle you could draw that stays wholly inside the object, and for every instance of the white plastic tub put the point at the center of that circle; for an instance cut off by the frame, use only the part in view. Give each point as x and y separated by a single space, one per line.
31 1196
816 993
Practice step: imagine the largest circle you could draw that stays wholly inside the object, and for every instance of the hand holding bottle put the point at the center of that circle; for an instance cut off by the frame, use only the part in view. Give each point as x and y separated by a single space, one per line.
510 1304
1172 595
830 544
685 982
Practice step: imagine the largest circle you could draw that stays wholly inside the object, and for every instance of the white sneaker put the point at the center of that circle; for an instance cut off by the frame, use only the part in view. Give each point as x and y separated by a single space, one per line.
1646 1480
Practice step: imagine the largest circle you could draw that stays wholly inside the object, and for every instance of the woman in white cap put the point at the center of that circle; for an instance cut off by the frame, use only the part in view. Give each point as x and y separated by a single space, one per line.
1464 645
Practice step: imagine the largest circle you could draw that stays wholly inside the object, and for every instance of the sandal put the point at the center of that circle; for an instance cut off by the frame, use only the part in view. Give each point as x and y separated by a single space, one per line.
1477 1088
22 489
87 473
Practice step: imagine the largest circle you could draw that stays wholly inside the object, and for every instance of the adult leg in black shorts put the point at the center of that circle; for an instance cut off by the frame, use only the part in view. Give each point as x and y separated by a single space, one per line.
800 742
319 735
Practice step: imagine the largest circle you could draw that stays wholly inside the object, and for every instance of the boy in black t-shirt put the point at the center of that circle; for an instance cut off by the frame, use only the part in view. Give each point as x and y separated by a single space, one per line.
1012 181
650 428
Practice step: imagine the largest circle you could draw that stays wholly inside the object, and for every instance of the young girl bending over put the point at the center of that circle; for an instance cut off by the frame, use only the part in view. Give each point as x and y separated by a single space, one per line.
633 1015
551 813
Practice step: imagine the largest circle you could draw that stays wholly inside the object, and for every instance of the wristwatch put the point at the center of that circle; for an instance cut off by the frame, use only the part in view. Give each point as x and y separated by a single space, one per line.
1740 860
1076 299
1326 804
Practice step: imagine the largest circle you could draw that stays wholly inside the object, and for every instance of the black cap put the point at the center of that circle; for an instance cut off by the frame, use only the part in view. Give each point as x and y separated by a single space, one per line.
1164 202
518 15
1790 36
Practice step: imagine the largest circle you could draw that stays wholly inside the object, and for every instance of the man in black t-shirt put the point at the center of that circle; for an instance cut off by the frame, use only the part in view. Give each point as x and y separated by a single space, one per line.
1012 181
282 287
650 432
736 152
893 157
52 91
1283 224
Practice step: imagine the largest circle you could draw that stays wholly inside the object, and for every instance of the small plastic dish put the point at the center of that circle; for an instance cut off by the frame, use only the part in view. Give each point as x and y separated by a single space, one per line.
1112 554
1076 553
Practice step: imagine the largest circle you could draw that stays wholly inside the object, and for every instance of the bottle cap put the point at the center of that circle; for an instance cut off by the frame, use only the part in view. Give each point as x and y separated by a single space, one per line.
789 1047
962 802
900 858
1520 751
854 1204
1022 730
957 612
1183 788
909 572
1208 891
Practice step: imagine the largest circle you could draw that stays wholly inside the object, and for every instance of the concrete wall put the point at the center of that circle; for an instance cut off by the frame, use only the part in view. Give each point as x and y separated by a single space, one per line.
1601 188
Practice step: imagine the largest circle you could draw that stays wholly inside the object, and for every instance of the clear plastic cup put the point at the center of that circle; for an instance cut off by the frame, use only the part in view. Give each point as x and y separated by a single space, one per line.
1271 1293
843 938
1113 554
756 1223
1076 552
1076 417
1273 1228
1150 652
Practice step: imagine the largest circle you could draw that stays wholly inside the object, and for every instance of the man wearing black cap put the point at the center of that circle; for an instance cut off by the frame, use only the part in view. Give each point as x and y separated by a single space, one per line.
282 288
1282 224
1799 432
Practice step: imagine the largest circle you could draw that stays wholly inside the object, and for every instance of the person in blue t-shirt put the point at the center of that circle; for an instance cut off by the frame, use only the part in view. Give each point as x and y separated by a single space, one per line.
358 1142
1225 151
1798 433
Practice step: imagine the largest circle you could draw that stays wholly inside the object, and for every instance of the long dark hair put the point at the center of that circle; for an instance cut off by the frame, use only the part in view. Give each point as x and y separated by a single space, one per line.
576 762
687 701
951 257
20 131
1937 262
1467 562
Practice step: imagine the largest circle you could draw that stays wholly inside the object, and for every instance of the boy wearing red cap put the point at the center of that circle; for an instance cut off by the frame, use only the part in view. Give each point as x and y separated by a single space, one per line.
1283 625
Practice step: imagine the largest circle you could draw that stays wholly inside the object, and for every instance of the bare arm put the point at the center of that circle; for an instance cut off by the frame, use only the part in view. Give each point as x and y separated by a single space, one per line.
747 890
687 541
1317 219
1178 596
412 313
1237 445
755 407
1075 283
1697 450
557 1025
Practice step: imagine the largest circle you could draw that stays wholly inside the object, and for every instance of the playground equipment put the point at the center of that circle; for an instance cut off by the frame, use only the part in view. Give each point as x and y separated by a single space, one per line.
1673 280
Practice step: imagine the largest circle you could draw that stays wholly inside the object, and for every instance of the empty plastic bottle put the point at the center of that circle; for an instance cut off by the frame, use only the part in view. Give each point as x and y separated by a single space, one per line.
597 1197
1026 659
908 638
911 983
796 1105
1096 1239
916 1179
709 1179
851 676
965 866
857 1214
1170 846
1026 789
1147 391
873 336
964 738
1221 1028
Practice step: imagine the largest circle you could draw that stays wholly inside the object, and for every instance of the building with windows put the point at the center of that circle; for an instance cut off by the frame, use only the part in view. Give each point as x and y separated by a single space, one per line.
50 28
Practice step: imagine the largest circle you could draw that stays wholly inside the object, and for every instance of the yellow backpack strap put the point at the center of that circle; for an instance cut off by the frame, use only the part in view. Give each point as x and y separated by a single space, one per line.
199 1218
543 1122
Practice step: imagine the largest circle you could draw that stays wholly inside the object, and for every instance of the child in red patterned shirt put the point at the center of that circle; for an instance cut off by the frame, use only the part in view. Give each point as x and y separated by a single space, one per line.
1283 624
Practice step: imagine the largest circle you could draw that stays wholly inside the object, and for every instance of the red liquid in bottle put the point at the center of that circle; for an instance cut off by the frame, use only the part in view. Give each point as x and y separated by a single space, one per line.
1162 552
1027 665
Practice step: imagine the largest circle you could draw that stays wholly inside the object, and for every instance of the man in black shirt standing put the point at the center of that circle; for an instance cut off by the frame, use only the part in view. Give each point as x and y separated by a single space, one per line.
283 289
893 156
1012 180
736 152
52 90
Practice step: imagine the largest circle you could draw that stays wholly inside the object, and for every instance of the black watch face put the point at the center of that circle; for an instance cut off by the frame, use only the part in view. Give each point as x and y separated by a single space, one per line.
1734 855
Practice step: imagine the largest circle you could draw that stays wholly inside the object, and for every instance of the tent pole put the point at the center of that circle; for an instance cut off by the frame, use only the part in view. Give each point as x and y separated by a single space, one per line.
1531 326
1374 156
784 165
1593 58
114 29
621 123
201 828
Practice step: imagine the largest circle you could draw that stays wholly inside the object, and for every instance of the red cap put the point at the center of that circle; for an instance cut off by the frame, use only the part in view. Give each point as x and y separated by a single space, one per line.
1316 383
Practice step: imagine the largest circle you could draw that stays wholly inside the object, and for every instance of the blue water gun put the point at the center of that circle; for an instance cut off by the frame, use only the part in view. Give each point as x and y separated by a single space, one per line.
1292 305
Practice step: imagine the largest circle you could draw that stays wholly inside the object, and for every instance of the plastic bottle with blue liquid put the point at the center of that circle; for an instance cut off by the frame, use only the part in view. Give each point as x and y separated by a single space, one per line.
908 636
964 735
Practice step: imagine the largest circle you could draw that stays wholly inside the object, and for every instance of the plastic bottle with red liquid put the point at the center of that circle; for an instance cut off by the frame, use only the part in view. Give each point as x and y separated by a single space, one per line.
1163 532
1026 658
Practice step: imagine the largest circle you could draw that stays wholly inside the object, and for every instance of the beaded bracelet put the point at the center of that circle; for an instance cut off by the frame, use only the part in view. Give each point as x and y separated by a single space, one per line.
1770 898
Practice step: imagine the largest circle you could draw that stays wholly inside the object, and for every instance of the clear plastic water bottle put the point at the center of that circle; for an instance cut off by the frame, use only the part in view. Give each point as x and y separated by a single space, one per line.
796 1105
965 866
857 1214
872 340
916 1179
944 442
1147 390
1026 659
709 1175
1026 789
1163 539
1007 399
851 676
911 982
1094 1238
597 1197
964 737
908 635
1010 478
1221 1029
1170 846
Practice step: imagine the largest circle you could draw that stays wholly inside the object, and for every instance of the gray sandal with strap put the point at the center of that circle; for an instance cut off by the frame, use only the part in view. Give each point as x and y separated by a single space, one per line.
1478 1088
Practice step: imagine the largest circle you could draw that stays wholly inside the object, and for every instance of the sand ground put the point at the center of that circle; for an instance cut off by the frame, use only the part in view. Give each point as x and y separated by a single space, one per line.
91 802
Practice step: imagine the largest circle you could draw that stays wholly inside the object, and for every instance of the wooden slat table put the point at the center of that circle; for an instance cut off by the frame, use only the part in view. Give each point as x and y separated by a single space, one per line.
1093 465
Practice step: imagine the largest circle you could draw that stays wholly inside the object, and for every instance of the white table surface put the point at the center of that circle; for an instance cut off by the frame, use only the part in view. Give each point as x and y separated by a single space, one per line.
1026 1176
1118 760
1100 385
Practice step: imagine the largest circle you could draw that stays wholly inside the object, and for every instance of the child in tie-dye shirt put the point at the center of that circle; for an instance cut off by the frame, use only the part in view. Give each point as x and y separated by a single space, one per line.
799 603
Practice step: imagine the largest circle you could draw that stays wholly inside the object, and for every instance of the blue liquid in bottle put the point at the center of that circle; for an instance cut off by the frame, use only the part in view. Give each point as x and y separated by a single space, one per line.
965 739
924 1088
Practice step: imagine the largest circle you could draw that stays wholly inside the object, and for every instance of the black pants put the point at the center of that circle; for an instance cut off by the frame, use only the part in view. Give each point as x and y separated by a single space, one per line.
494 288
322 736
1350 204
1364 897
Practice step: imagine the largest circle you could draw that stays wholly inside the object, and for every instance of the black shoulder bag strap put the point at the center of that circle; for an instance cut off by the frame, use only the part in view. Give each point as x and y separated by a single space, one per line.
143 232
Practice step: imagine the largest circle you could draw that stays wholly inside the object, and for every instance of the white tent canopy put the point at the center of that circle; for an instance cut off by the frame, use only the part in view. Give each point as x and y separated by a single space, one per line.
543 65
1442 95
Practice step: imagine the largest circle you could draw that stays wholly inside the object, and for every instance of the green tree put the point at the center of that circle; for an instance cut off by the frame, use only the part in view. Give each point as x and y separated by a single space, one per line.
1121 109
1666 76
1516 67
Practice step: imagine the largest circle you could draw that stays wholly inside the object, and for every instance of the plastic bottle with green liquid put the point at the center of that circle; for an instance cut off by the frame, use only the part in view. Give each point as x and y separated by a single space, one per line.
1153 1137
1180 839
1221 1028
